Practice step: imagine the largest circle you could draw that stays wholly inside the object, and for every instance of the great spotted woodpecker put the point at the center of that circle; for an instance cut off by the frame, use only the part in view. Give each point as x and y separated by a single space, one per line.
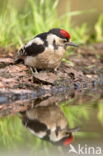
45 50
48 123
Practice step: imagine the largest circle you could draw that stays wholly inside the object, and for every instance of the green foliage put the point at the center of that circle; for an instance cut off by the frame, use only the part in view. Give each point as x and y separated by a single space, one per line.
18 26
100 111
9 131
81 33
78 113
14 134
72 112
99 29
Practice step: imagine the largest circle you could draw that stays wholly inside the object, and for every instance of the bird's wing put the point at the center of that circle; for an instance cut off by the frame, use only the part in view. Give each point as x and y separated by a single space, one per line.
32 48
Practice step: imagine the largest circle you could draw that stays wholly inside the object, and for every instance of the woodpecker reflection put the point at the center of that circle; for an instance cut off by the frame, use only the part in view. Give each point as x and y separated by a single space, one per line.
48 123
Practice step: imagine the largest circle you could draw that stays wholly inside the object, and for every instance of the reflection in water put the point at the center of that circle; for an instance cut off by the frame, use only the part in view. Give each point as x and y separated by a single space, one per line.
48 123
44 116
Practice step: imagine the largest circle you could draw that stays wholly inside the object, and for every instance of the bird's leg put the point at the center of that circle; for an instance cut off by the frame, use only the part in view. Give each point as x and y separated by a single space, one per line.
33 70
56 70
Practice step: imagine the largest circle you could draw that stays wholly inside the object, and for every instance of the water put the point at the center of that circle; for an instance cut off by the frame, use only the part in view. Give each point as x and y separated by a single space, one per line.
39 123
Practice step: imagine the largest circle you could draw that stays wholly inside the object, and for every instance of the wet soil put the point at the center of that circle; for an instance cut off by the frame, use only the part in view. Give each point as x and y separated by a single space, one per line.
84 70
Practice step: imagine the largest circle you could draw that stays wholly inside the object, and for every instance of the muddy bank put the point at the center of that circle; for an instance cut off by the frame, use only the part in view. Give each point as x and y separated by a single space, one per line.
84 70
23 101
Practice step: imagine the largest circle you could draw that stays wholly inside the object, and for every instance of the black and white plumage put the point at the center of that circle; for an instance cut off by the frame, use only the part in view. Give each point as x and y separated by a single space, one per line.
45 50
48 123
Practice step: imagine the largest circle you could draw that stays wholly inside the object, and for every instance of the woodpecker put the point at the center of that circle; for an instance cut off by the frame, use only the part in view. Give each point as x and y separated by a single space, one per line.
45 50
48 123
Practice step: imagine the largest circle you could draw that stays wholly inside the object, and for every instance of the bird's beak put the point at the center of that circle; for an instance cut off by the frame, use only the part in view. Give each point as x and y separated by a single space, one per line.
72 44
73 130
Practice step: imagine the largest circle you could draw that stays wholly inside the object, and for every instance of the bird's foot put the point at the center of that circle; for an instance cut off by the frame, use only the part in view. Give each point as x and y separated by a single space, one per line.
33 70
55 70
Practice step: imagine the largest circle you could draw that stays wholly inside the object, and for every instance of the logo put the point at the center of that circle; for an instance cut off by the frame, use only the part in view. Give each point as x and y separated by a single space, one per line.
80 150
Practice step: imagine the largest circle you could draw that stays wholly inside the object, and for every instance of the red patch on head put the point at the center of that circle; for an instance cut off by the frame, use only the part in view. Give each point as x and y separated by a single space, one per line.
68 141
65 33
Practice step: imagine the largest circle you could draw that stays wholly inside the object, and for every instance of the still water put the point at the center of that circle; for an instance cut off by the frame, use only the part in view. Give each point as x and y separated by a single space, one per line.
64 124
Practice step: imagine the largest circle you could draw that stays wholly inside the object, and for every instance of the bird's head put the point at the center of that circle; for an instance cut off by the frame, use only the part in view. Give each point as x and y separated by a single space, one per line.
63 137
60 37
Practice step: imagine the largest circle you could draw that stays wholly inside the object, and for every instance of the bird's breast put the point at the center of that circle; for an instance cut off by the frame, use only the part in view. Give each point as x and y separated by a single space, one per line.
50 58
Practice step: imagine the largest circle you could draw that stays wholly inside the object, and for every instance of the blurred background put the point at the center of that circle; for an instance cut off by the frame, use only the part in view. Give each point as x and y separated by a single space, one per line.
93 5
20 20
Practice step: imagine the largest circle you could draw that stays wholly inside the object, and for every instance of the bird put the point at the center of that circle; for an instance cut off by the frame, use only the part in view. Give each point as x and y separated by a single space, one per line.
45 50
48 123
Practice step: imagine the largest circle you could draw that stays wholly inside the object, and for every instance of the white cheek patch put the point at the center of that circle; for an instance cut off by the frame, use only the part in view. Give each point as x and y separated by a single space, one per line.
50 38
36 40
55 138
40 134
